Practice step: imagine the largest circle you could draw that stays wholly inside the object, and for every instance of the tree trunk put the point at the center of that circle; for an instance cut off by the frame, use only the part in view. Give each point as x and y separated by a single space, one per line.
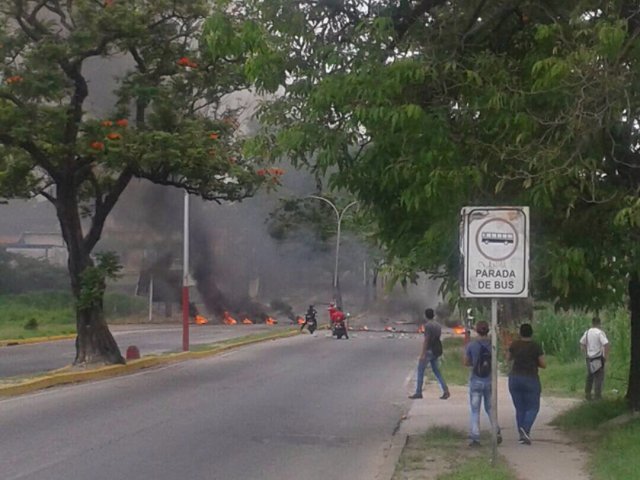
633 391
94 342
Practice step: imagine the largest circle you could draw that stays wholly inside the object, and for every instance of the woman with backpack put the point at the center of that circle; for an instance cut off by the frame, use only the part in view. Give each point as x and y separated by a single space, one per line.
524 384
478 356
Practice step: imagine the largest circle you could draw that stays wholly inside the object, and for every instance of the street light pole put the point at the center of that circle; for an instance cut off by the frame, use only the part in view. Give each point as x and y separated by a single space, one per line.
339 216
185 276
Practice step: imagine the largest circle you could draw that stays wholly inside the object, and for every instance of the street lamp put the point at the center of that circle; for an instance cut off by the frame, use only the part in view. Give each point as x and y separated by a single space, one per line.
339 215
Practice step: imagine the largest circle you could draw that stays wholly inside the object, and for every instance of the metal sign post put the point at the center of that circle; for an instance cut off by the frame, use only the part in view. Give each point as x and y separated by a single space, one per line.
494 249
185 275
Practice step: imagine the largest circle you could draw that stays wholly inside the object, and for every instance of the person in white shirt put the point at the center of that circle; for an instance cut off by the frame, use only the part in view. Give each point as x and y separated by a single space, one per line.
595 345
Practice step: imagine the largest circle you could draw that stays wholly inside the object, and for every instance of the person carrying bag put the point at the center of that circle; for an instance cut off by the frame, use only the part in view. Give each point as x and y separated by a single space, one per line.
595 345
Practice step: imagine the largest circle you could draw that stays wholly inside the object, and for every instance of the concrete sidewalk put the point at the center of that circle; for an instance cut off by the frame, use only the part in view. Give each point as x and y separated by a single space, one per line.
551 456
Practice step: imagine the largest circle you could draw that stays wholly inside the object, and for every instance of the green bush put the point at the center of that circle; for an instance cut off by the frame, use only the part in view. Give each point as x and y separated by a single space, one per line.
32 324
20 274
117 305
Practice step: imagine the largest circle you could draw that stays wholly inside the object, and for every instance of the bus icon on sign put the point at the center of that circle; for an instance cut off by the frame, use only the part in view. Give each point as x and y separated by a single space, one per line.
497 237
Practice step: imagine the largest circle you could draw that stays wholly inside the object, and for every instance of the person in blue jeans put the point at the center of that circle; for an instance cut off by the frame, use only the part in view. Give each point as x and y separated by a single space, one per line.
526 356
479 381
431 352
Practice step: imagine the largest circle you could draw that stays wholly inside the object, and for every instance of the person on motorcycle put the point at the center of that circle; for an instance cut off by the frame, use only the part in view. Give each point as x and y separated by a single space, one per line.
310 320
337 318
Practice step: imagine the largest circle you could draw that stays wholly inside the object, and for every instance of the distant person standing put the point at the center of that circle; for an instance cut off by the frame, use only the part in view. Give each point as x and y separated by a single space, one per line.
478 356
431 352
524 383
595 345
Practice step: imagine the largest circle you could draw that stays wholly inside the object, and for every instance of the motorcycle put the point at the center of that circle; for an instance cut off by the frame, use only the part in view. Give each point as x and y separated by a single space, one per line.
339 319
310 320
339 329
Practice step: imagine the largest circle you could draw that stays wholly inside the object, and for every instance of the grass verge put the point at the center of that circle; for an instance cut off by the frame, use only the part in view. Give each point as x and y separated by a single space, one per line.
439 453
454 372
49 314
609 433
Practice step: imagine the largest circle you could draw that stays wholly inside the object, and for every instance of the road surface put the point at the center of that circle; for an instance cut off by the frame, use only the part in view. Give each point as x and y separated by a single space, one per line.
304 407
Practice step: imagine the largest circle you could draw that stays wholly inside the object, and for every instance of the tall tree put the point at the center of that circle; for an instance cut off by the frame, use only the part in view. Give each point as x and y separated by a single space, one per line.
168 123
428 105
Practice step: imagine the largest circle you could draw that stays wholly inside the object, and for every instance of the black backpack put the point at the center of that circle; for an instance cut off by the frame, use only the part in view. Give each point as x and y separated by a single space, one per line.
482 367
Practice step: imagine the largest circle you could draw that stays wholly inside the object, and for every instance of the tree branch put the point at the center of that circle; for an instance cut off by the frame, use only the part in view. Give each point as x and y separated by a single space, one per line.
32 149
104 207
403 22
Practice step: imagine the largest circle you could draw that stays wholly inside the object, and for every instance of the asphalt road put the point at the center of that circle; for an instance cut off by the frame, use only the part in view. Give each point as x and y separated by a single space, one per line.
27 359
297 408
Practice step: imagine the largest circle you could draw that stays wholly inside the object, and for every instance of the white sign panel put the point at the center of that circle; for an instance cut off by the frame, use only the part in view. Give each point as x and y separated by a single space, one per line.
495 251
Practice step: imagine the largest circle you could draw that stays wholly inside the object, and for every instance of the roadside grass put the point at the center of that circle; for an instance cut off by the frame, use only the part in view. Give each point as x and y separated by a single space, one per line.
609 433
453 371
562 378
439 453
45 314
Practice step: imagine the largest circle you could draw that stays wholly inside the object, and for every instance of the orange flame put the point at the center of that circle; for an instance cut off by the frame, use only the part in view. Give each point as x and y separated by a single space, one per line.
200 320
421 329
459 330
270 321
228 319
300 320
246 321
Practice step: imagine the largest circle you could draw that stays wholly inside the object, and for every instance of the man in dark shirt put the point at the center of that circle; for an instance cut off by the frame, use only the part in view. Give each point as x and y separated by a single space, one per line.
431 351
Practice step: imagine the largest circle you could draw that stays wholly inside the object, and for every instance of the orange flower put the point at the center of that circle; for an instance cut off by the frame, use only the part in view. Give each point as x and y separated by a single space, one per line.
14 79
106 123
97 145
184 62
213 136
260 172
114 136
123 122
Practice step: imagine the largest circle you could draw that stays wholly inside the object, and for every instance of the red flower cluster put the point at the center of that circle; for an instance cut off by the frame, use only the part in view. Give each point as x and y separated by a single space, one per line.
186 62
114 136
14 79
123 122
274 172
97 146
214 136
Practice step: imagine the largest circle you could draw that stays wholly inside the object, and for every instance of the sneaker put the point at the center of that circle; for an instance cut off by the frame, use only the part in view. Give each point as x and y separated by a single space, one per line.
474 443
445 395
524 436
499 438
415 396
521 441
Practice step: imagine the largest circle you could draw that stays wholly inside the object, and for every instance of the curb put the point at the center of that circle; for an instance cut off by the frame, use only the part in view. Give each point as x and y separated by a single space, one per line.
64 377
23 341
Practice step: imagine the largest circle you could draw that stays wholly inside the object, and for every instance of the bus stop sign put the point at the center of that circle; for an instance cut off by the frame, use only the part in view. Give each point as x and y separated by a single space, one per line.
494 247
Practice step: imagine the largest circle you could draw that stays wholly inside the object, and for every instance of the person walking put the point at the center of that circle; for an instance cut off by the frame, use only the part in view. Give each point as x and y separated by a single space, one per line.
478 356
526 356
595 345
431 352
